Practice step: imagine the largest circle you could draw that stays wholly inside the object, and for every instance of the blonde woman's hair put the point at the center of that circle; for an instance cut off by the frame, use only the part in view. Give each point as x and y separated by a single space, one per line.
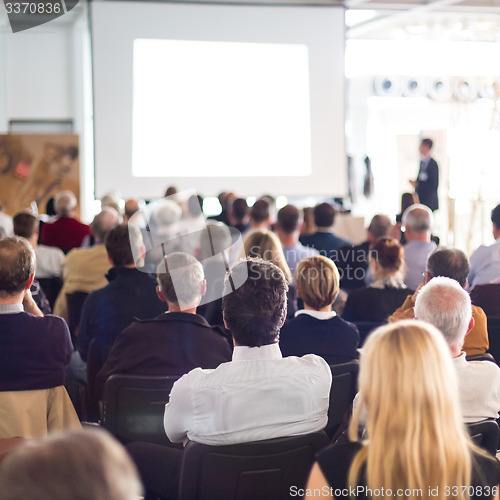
317 280
267 246
416 437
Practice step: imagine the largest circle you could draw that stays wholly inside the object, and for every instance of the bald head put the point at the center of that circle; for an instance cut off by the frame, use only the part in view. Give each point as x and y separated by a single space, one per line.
131 207
17 266
379 227
103 222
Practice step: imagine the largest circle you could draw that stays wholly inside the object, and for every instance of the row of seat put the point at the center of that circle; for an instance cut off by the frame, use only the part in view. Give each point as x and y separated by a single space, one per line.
133 406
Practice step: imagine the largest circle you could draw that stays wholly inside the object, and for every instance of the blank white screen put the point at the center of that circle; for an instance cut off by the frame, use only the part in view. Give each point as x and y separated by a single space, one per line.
220 109
293 140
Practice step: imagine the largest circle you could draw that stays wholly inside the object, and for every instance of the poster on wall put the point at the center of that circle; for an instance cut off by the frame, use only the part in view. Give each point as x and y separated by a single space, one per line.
34 167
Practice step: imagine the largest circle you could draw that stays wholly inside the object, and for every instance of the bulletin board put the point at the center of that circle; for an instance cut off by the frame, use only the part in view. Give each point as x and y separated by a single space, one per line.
34 167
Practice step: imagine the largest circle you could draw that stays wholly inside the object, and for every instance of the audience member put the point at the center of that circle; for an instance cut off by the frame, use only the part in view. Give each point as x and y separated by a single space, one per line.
225 199
446 305
214 250
112 200
254 314
407 200
485 261
6 226
174 342
26 226
258 395
260 216
324 239
451 263
66 232
171 191
48 259
238 215
266 245
129 294
288 230
353 261
131 207
408 389
387 292
417 221
35 349
161 237
317 329
75 465
84 269
309 225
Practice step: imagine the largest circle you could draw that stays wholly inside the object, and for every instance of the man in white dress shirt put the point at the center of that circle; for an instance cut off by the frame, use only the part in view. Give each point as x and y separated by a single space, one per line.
259 394
445 304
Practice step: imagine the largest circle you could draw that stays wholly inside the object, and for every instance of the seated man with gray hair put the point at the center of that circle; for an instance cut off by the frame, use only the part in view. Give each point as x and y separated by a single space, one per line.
451 263
446 305
176 341
66 232
417 221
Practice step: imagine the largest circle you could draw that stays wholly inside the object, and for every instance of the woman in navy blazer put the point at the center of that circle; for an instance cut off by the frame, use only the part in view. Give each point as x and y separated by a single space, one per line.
317 329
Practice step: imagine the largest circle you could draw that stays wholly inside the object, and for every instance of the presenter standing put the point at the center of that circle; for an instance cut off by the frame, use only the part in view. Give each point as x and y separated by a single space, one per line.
426 185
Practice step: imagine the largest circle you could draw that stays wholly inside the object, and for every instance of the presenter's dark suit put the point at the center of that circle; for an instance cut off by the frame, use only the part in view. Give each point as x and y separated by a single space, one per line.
171 344
428 182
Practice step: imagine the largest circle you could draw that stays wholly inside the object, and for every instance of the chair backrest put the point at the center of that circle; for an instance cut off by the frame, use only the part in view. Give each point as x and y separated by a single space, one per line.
75 302
485 434
261 470
51 287
32 414
134 405
342 392
487 297
365 328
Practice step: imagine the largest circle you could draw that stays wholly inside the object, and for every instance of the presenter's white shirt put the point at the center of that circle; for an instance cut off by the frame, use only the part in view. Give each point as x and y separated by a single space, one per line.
258 395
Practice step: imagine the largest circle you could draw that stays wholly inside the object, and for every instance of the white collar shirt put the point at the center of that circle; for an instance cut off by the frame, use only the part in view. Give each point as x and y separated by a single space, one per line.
258 395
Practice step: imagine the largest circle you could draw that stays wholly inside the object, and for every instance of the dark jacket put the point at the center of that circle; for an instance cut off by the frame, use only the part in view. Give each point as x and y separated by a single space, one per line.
327 243
171 344
374 304
334 339
353 265
130 294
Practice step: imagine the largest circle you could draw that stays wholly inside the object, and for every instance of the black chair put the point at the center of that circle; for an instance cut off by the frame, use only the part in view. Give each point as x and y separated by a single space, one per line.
259 470
75 303
51 288
494 337
134 405
342 392
486 356
365 328
485 434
